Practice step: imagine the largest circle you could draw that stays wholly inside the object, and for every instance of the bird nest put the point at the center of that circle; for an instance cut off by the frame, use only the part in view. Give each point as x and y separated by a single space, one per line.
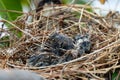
99 62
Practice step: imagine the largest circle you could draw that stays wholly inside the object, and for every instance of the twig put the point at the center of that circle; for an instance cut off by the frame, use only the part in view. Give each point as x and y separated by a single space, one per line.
75 60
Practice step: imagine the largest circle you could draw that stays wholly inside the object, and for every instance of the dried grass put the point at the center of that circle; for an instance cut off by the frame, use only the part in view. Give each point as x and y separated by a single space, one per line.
105 52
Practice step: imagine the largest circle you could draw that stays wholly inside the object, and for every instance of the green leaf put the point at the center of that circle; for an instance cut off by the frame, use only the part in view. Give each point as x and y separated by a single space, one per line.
26 2
12 5
4 42
75 2
115 74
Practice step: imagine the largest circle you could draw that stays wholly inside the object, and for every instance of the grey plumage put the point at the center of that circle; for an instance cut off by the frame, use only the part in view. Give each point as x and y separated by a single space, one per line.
82 43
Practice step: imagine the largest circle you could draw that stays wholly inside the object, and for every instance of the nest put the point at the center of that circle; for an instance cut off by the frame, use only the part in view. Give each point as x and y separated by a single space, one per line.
102 60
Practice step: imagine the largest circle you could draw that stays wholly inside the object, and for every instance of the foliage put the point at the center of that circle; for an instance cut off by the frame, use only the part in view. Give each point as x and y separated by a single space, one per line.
116 75
76 1
5 41
8 9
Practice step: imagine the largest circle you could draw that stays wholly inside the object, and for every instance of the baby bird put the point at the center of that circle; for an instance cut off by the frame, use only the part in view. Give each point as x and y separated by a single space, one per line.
58 43
82 44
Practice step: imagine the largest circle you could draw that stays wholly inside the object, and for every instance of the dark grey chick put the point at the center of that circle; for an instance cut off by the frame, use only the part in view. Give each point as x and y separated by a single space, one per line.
43 59
58 43
82 44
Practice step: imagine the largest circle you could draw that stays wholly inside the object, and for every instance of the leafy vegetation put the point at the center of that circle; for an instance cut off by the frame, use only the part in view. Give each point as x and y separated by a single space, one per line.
9 9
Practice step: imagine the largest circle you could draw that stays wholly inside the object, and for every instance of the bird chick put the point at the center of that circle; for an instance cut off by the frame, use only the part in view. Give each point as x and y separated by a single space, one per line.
42 59
58 43
82 44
